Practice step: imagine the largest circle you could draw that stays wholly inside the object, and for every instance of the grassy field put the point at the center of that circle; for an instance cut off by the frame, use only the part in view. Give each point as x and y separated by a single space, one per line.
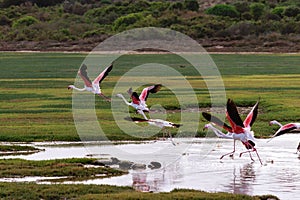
68 169
35 104
70 191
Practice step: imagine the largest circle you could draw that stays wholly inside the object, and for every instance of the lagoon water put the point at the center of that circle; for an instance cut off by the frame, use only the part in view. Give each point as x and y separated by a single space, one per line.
195 164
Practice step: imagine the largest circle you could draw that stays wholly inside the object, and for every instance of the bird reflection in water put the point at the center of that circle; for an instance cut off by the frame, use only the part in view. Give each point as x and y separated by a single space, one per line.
143 181
139 182
242 183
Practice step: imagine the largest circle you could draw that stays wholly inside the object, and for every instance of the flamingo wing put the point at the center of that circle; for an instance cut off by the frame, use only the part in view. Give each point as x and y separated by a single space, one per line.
135 119
151 89
135 98
285 129
216 121
103 74
234 117
251 117
83 74
175 125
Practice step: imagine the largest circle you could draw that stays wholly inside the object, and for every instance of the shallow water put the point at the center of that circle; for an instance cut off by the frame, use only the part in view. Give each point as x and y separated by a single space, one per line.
196 164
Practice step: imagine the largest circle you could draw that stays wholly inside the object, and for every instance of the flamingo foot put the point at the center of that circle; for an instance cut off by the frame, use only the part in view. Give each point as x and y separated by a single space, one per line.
230 154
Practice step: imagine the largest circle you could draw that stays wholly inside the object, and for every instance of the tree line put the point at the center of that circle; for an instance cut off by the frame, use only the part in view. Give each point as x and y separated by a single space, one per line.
68 21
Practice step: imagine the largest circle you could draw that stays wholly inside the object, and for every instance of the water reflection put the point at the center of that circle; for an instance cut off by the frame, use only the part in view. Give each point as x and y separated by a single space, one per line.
196 169
243 179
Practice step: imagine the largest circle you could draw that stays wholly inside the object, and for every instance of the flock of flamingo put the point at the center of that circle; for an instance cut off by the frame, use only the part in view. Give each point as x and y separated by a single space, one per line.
237 130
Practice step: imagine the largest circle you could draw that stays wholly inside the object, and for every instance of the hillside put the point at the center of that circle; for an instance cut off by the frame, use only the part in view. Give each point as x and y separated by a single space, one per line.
79 25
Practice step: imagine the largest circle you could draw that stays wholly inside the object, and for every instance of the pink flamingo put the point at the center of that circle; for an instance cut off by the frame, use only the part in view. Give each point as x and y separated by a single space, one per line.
94 86
163 124
285 129
139 102
239 130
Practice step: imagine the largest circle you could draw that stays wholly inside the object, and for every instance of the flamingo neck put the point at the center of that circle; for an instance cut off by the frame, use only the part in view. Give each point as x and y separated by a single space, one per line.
78 89
276 122
122 97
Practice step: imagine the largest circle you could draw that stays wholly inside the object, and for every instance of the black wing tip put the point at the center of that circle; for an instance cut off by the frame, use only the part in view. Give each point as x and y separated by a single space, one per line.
129 91
177 125
250 144
207 116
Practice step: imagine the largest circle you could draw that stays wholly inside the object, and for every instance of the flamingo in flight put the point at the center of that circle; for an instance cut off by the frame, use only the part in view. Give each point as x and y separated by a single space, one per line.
94 86
139 102
285 129
239 130
158 123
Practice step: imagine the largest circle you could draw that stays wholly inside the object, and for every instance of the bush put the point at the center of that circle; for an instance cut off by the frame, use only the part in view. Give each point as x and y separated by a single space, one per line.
25 21
191 5
246 16
124 21
176 6
278 11
271 16
291 11
223 10
242 6
257 10
4 20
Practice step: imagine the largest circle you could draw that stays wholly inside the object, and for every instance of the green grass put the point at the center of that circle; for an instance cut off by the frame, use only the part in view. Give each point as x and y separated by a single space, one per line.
72 168
34 191
35 104
5 148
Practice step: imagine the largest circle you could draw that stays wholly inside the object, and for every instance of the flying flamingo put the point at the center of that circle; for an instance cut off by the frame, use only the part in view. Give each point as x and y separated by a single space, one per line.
158 123
139 102
285 129
94 86
238 130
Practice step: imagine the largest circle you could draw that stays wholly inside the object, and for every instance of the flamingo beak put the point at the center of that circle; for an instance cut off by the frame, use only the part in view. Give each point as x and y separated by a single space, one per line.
69 88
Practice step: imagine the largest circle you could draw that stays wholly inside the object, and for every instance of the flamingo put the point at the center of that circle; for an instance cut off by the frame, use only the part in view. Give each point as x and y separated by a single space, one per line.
139 102
94 86
239 130
163 124
285 129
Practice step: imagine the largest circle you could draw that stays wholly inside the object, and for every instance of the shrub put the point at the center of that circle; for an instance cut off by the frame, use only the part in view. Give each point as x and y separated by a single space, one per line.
191 5
246 16
124 21
271 16
297 17
242 6
257 10
291 11
223 10
176 6
25 21
4 20
278 11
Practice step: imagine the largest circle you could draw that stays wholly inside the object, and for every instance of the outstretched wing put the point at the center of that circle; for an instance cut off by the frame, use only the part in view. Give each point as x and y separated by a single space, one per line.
151 89
135 119
234 117
176 125
134 96
216 121
103 74
251 117
83 74
285 129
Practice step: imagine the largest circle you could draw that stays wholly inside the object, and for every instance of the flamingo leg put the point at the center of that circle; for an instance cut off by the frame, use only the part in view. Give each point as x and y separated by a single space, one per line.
170 135
105 97
249 154
231 153
253 149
